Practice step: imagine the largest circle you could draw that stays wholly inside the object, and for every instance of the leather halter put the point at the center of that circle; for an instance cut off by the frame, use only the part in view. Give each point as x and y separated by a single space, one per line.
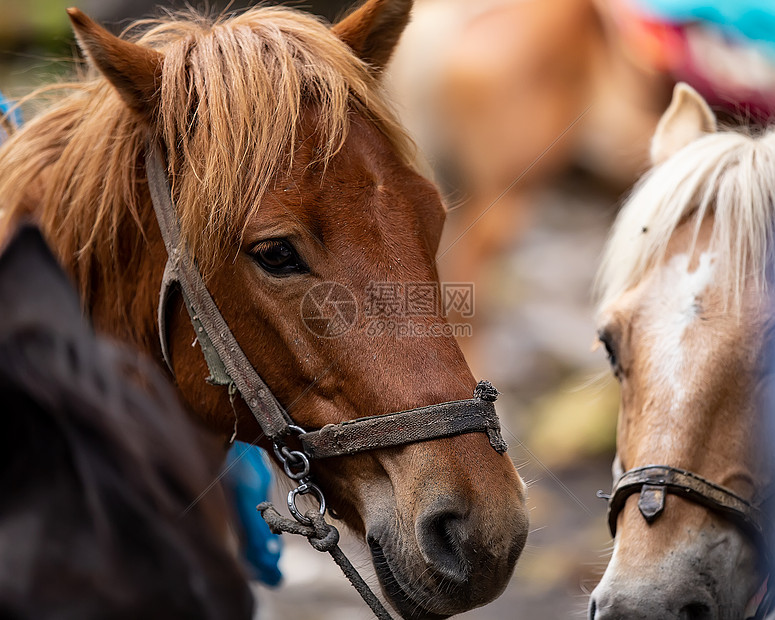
229 366
655 482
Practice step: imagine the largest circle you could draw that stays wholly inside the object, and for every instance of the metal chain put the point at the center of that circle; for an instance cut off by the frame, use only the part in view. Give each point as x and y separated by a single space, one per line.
321 535
297 467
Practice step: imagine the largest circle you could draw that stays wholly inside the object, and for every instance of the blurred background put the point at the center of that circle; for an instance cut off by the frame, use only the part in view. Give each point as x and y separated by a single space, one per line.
535 117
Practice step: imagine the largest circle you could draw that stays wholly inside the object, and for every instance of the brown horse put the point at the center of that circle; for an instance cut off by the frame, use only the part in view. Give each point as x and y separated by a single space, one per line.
685 320
288 170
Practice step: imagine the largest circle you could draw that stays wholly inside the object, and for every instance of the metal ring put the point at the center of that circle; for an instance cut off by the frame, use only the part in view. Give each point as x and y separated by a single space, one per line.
297 457
304 489
280 449
285 454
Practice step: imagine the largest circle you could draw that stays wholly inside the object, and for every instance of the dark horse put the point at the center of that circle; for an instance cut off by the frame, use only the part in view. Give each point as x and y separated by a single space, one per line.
97 466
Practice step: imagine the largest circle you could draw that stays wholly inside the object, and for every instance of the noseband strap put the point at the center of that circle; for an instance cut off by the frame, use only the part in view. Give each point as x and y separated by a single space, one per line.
654 482
395 429
229 366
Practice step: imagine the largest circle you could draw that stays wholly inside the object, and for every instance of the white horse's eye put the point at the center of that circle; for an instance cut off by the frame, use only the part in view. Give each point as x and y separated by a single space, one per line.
607 341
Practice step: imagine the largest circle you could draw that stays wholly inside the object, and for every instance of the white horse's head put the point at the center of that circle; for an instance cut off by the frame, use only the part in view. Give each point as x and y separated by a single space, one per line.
685 320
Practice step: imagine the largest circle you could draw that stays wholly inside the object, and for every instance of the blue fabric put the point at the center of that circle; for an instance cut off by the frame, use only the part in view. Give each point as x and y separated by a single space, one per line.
5 105
751 19
248 477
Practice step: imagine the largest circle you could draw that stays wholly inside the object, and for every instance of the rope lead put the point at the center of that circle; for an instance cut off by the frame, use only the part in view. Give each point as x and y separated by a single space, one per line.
324 537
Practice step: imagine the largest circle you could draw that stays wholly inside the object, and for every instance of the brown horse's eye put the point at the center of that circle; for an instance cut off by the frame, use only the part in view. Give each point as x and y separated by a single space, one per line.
278 257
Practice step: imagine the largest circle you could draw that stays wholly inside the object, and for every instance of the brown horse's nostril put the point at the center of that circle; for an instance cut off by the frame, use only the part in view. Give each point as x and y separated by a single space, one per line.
441 534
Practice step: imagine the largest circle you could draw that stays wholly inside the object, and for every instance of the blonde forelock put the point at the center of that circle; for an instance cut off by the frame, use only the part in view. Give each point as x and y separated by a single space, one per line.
233 92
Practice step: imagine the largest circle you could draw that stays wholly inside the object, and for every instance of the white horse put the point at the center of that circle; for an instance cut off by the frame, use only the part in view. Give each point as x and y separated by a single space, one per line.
685 319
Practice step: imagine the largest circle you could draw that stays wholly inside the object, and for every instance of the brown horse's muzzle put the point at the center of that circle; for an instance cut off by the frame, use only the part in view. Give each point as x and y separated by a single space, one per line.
451 553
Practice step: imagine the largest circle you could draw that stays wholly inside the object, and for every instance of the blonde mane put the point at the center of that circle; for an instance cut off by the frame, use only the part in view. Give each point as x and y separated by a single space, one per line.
728 175
233 93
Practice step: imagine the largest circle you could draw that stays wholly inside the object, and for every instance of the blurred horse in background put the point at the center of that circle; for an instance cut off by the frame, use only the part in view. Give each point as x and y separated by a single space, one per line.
288 171
506 96
98 467
685 318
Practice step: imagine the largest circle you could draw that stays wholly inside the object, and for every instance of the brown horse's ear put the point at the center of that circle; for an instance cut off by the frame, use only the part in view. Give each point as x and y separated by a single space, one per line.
134 71
373 29
687 118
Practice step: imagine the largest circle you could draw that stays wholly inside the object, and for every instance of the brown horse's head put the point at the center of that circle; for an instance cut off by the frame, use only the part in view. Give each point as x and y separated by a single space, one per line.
297 195
683 319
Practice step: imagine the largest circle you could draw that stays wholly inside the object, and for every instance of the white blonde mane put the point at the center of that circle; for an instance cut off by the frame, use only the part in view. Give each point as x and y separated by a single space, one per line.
728 175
